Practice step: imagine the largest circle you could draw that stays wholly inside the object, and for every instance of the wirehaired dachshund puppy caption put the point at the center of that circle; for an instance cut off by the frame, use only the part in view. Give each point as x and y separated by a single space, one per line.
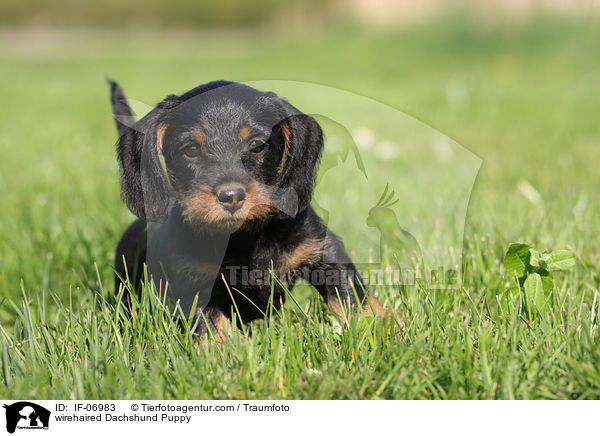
221 178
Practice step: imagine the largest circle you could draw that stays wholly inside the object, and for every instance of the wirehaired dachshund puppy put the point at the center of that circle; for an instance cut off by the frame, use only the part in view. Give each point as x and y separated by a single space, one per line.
221 178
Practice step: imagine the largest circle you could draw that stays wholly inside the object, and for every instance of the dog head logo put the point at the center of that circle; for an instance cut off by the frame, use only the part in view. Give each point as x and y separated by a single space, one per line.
26 415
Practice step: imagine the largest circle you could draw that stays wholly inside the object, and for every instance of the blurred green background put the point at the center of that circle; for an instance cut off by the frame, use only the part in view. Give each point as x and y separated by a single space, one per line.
517 83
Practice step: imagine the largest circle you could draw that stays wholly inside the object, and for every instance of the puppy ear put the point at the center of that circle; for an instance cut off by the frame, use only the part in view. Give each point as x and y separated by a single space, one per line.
121 109
303 145
144 186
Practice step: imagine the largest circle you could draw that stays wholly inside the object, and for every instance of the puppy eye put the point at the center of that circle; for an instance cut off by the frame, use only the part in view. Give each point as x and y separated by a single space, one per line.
256 145
191 150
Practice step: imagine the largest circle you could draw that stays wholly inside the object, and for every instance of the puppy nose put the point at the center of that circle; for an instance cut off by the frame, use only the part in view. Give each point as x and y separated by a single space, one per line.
232 197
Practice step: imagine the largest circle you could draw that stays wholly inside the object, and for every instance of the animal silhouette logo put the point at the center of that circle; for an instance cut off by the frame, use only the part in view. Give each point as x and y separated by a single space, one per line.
25 414
395 243
332 157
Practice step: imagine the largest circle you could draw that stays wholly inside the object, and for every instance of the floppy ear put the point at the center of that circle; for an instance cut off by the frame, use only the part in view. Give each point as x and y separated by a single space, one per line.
144 186
303 144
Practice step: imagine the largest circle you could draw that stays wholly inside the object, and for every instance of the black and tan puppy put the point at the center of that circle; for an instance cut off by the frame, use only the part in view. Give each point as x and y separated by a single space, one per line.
231 204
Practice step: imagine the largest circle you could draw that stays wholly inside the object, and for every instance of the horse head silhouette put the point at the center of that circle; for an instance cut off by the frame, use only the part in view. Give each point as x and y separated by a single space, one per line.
395 243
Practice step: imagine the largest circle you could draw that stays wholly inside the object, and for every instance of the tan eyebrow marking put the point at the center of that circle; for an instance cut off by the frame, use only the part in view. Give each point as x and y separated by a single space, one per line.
245 132
199 136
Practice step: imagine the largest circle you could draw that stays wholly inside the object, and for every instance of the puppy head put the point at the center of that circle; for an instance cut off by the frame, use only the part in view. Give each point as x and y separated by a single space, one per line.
232 154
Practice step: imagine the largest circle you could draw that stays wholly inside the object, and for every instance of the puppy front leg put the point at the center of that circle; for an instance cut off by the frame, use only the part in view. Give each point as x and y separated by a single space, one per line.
338 281
213 320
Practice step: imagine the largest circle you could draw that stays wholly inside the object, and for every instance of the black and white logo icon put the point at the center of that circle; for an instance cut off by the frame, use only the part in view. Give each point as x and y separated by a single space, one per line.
26 415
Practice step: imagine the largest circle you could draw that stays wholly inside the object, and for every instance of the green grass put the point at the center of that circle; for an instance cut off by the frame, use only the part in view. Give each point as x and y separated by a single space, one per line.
530 113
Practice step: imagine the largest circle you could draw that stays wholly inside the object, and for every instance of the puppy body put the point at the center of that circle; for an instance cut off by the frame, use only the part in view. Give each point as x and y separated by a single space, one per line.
286 247
234 206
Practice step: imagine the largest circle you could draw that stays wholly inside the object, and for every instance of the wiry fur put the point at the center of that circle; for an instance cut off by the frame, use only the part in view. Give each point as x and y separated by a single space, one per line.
275 227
